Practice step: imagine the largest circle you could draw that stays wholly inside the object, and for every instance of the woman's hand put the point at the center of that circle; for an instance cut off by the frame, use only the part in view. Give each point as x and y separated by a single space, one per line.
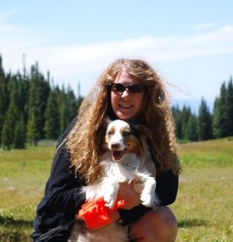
127 192
131 197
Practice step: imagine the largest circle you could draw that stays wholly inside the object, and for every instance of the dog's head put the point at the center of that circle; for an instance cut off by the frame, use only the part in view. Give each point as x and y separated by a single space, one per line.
122 138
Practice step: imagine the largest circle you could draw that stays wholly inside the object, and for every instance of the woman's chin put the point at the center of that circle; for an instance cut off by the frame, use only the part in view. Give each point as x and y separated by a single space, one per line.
124 117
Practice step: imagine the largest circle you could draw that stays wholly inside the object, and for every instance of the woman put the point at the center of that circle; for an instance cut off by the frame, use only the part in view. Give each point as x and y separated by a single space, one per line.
132 91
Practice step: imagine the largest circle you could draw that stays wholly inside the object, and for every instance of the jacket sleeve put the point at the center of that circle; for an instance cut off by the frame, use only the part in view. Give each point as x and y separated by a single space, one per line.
63 187
167 187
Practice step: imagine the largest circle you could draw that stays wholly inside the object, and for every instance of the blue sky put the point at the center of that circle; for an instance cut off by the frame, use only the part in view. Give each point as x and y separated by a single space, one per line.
190 43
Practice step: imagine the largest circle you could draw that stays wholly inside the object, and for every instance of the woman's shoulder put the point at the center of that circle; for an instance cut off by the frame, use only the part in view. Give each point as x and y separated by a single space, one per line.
67 130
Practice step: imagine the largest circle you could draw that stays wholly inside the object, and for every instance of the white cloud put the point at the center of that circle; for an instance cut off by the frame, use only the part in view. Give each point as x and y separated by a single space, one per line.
67 63
80 58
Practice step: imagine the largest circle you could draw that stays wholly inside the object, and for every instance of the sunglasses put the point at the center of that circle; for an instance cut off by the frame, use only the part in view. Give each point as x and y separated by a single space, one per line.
134 88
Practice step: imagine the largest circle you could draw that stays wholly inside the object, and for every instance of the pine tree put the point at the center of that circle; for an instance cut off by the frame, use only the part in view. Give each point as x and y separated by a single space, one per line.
178 122
38 95
43 89
32 135
220 117
229 104
68 106
23 92
185 116
63 109
7 133
204 123
9 125
191 129
12 114
71 104
52 126
19 134
4 96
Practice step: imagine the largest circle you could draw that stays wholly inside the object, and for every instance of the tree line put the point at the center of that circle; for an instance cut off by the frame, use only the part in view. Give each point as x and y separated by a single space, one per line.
206 125
32 108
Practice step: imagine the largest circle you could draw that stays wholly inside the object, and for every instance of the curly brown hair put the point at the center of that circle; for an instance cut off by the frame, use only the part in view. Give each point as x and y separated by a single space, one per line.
85 141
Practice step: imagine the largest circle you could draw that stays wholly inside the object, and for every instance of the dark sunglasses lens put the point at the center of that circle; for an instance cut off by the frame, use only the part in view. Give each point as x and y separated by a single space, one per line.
117 87
136 88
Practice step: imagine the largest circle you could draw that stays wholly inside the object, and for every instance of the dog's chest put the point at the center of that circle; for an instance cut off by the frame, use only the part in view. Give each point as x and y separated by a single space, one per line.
117 171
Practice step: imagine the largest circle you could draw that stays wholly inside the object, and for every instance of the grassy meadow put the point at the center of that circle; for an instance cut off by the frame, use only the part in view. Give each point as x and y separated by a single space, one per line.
204 205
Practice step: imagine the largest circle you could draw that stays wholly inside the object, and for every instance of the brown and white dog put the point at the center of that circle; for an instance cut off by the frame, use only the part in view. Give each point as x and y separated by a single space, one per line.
127 159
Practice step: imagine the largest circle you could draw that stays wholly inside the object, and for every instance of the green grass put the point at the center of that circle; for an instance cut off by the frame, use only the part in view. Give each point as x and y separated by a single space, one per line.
204 202
203 206
22 179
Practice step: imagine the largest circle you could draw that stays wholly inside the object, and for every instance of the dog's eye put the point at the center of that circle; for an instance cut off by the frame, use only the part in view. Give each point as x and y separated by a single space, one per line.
109 133
126 133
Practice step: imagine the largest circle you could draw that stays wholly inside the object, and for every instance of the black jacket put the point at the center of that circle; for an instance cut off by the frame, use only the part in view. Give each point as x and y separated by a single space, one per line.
62 196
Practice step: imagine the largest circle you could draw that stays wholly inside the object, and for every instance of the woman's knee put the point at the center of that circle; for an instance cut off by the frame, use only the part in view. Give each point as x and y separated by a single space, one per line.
164 217
155 225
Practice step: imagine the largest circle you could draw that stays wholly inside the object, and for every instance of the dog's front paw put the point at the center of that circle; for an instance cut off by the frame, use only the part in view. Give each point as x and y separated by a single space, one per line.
148 193
110 196
110 203
146 199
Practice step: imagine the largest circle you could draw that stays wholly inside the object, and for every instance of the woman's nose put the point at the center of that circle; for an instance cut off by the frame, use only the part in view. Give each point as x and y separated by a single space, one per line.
125 93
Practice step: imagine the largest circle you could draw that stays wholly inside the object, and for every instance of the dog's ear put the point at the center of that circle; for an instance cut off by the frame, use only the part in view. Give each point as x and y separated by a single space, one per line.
106 121
142 129
145 134
146 139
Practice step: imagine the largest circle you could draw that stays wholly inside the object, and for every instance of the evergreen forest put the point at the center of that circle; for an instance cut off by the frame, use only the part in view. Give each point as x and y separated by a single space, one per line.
32 108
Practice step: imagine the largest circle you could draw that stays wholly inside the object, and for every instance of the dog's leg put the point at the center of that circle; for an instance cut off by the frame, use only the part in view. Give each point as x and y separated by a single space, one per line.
148 192
110 195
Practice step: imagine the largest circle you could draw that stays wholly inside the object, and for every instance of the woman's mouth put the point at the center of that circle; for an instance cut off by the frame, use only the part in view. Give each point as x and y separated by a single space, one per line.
125 105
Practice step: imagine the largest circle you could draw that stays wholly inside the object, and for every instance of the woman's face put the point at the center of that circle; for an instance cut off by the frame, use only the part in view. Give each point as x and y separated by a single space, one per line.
125 104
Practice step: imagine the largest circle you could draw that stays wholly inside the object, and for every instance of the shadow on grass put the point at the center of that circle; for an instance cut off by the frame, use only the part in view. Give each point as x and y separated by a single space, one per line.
14 230
191 223
9 221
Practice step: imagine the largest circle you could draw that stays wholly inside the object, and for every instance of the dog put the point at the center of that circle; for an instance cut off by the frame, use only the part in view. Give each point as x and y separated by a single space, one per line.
127 159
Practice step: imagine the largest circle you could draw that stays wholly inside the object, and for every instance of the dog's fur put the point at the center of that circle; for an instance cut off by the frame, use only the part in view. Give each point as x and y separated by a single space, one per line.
127 159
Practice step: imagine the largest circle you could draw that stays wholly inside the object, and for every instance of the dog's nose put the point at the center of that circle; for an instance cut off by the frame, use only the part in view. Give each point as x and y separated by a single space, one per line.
115 146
